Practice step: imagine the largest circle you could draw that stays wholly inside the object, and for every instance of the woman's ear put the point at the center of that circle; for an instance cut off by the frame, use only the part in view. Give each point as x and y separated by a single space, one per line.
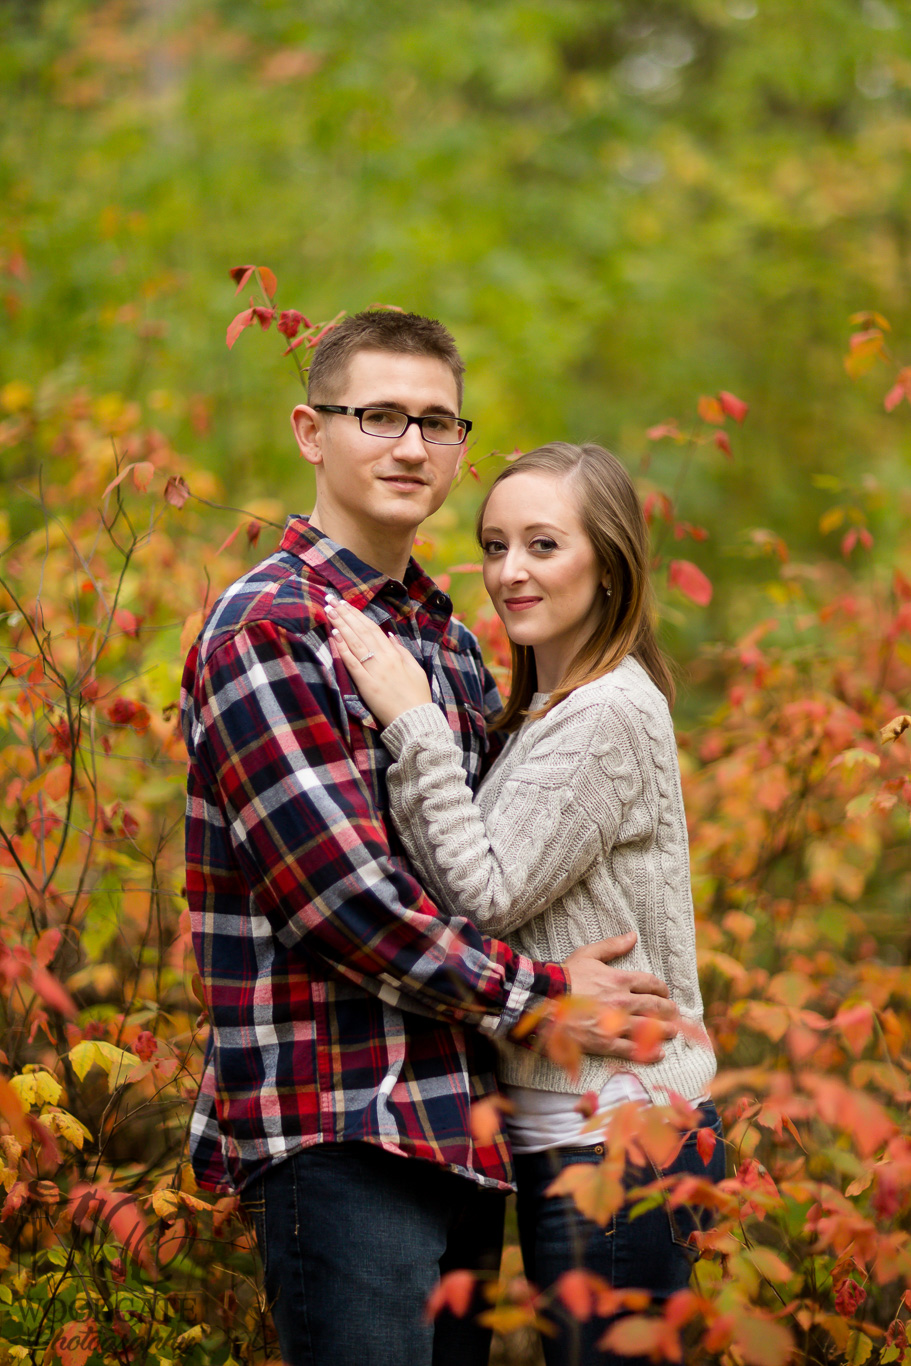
307 428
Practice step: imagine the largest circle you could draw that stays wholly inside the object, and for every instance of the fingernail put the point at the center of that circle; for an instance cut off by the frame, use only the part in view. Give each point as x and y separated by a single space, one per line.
336 633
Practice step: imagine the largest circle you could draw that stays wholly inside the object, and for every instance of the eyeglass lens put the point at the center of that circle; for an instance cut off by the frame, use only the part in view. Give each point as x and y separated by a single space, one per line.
436 427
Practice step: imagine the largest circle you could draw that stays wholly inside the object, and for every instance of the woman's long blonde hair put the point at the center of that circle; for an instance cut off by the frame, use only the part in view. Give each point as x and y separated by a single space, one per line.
614 522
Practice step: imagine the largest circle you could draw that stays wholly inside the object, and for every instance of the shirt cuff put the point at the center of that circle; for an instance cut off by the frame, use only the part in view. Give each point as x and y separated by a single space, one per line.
416 724
534 984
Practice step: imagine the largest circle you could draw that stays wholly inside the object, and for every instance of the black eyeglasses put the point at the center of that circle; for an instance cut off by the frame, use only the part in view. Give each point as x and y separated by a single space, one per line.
438 428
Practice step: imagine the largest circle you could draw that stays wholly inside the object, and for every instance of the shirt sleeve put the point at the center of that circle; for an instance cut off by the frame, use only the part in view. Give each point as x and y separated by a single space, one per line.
557 812
313 849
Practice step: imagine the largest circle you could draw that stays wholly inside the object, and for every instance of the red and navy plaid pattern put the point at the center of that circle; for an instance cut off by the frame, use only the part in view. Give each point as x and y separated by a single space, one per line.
338 993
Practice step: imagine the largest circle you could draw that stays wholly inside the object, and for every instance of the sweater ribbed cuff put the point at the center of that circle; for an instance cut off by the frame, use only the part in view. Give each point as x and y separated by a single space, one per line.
418 723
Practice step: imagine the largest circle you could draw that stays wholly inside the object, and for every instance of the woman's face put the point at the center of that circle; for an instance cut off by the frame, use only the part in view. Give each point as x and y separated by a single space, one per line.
541 570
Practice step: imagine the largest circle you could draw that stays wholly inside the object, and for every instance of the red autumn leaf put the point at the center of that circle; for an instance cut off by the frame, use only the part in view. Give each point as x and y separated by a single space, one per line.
120 1213
733 406
145 1045
253 530
855 1024
454 1293
865 538
706 1139
587 1105
268 280
894 397
176 491
264 317
123 712
690 581
143 471
576 1291
52 992
16 1198
241 274
663 429
710 410
849 541
647 1035
230 539
128 622
303 338
135 465
237 325
289 322
849 1297
130 825
75 1342
47 945
721 441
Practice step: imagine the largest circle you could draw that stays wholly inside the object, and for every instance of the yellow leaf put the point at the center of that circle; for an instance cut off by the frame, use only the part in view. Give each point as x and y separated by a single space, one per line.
859 1348
830 520
165 1203
188 1179
26 1088
47 1088
97 1052
894 729
65 1125
192 1336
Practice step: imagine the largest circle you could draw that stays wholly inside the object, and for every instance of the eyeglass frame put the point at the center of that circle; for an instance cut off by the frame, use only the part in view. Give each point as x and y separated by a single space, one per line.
378 408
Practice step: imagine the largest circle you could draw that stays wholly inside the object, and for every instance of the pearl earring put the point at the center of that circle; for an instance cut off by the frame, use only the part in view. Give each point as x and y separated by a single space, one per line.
608 590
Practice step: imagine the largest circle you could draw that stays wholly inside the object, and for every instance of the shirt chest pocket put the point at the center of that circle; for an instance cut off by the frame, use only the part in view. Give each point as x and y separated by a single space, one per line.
462 706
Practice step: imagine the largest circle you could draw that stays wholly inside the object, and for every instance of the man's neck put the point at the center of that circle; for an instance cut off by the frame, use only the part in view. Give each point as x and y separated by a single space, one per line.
387 549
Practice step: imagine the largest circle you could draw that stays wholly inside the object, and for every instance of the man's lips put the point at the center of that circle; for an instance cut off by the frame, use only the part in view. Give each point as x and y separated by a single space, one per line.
520 604
403 481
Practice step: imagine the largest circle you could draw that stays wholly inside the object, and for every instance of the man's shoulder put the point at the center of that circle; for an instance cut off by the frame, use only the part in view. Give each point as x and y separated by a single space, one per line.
281 590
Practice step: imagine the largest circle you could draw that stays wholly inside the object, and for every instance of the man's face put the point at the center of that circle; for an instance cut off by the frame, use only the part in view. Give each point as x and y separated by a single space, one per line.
372 484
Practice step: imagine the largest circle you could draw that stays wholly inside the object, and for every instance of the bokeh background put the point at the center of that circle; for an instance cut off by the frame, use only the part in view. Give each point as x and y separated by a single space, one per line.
616 205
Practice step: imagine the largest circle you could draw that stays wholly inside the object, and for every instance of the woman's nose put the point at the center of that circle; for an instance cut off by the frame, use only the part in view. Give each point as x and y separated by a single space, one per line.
513 567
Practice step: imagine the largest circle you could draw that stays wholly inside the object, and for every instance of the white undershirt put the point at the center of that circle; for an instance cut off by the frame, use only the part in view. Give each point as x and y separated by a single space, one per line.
549 1119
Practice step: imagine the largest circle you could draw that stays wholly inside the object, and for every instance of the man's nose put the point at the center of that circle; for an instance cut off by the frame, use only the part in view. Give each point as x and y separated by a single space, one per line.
410 445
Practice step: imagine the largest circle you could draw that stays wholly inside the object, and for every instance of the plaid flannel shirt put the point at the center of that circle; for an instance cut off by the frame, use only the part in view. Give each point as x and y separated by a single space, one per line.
343 1005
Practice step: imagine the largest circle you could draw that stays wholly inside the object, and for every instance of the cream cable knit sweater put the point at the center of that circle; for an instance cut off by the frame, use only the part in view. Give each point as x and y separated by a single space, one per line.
577 833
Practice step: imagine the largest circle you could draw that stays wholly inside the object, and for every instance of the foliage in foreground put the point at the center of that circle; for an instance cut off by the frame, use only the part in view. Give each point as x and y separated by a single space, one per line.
799 822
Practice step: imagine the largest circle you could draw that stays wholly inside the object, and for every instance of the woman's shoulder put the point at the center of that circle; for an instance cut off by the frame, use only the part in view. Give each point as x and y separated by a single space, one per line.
627 686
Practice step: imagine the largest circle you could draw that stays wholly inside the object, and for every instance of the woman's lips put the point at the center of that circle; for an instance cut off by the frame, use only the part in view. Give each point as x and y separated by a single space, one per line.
520 604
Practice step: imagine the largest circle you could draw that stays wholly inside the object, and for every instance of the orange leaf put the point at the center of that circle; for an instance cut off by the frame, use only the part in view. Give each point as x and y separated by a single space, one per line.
663 429
639 1336
710 410
143 471
690 581
11 1110
454 1293
855 1024
268 280
485 1120
120 1213
133 465
596 1191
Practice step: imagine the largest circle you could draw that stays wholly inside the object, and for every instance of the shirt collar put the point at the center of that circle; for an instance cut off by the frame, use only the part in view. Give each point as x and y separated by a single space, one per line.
357 582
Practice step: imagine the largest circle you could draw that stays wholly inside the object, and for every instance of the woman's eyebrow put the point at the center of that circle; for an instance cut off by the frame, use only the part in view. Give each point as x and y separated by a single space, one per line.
532 526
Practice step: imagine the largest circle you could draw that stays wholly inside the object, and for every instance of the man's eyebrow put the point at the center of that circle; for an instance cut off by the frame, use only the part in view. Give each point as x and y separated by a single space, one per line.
442 409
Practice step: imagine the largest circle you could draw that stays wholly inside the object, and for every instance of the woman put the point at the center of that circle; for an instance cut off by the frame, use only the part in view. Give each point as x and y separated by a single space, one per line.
577 833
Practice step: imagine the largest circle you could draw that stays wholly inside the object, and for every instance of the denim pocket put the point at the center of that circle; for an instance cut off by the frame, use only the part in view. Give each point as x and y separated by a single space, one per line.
253 1208
686 1219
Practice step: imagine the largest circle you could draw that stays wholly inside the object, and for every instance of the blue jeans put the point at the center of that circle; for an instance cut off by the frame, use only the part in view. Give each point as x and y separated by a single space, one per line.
649 1253
353 1240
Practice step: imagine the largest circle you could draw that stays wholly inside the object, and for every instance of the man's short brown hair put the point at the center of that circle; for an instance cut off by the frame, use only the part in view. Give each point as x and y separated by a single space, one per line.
404 334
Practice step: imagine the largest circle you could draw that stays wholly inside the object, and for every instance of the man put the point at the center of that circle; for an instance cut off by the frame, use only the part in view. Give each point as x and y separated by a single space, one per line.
351 1020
